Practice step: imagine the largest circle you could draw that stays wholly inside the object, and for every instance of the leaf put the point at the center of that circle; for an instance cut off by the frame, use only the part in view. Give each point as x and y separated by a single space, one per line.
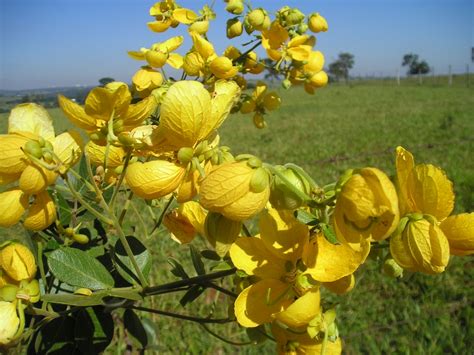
197 262
151 330
124 264
103 328
210 255
84 332
329 233
193 293
306 217
74 300
82 172
65 212
177 269
77 268
135 327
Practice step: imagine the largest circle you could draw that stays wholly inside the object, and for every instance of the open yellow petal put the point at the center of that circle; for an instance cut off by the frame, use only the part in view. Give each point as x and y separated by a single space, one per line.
154 179
13 204
301 311
329 262
175 60
247 206
185 108
159 26
430 191
32 118
224 96
257 303
189 187
459 229
204 48
12 160
96 153
100 103
170 44
76 114
185 221
300 53
283 234
341 286
184 16
252 256
68 147
41 213
35 179
139 112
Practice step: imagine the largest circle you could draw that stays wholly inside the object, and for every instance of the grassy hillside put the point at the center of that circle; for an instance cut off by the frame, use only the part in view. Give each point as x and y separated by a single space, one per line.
345 127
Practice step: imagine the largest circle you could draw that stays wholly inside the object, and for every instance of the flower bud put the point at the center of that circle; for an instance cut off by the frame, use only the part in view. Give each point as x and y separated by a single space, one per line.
41 213
260 180
257 19
31 289
126 139
226 190
294 17
200 27
319 79
221 232
235 7
271 101
35 179
302 28
234 28
185 155
286 84
8 293
9 322
81 238
223 68
156 59
17 261
281 196
392 269
259 120
248 105
317 23
33 148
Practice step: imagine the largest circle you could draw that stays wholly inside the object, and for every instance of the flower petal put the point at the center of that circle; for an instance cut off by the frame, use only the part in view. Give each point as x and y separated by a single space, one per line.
35 179
137 113
301 311
68 147
31 118
12 160
257 303
184 16
13 204
96 153
459 229
76 114
41 213
252 256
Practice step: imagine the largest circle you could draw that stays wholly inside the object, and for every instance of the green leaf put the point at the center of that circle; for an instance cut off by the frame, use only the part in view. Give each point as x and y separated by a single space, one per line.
75 300
151 329
197 262
210 255
193 293
123 263
103 328
64 209
177 269
135 327
306 217
329 233
77 268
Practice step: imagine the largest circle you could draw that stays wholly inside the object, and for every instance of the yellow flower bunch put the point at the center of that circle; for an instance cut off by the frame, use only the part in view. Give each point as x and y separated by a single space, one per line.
35 157
17 288
260 102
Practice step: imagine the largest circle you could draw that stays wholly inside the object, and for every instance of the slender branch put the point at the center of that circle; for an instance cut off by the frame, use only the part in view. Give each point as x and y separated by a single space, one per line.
243 55
224 339
125 207
162 215
246 230
198 280
221 289
121 178
182 316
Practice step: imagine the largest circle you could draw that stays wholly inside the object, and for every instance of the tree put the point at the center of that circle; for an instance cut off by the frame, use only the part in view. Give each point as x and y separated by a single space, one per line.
340 68
415 65
105 81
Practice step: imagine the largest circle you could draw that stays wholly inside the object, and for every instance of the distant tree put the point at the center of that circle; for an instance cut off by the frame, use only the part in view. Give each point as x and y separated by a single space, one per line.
105 81
340 67
271 73
415 65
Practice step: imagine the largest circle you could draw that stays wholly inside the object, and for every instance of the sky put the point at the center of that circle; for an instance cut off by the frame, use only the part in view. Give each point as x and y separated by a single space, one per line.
48 43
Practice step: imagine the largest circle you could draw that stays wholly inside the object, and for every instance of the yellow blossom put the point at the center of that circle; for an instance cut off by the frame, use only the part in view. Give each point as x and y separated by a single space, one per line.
274 40
17 261
459 229
41 213
9 322
145 80
366 207
185 222
161 53
223 68
317 23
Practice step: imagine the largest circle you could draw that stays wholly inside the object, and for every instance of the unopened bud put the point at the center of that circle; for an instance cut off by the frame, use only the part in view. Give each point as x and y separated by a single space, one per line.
317 23
200 27
221 232
254 162
235 7
260 180
271 101
392 269
234 28
286 84
248 106
33 148
302 28
259 120
293 17
81 238
8 293
256 18
282 196
185 155
126 139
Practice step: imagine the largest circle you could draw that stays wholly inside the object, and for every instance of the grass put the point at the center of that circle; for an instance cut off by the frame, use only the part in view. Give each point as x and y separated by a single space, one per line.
345 127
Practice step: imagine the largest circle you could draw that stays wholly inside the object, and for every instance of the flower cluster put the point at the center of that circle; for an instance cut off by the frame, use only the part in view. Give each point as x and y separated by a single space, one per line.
158 140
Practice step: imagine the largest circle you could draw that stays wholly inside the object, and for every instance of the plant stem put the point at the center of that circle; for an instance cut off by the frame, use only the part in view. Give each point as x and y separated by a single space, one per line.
224 339
182 316
162 215
121 178
198 280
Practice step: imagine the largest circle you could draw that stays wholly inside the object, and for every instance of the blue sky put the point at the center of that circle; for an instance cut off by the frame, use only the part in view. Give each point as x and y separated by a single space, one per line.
46 43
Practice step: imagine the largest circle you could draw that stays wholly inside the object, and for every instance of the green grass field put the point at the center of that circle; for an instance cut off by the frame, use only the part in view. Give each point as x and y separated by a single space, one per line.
346 127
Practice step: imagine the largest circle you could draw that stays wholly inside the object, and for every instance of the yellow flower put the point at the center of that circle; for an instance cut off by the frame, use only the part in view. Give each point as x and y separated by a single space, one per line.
223 68
275 42
162 11
41 213
232 190
30 146
161 53
146 80
366 207
17 262
459 229
301 343
317 23
185 222
9 322
234 28
420 246
258 19
13 203
96 153
110 103
272 257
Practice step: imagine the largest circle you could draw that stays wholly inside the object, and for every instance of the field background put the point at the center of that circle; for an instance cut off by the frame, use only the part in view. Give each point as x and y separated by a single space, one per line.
346 126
